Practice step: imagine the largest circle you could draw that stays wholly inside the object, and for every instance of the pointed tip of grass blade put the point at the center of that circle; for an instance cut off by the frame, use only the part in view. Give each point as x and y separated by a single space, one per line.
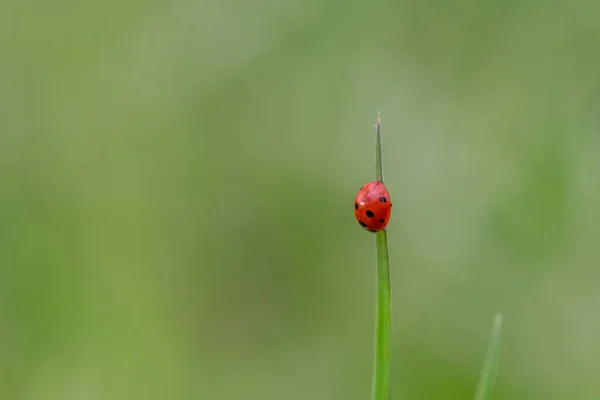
491 362
378 162
498 320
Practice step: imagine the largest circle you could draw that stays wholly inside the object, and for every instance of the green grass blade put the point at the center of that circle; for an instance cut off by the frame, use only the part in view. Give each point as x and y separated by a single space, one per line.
382 372
383 342
491 363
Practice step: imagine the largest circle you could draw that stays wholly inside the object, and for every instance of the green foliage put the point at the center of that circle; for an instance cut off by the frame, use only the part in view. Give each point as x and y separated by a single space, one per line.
176 184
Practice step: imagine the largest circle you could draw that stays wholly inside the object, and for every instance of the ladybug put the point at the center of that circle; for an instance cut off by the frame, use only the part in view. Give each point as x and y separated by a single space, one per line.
372 206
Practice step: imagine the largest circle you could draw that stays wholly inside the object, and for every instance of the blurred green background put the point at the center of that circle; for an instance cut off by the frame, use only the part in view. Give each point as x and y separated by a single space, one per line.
177 181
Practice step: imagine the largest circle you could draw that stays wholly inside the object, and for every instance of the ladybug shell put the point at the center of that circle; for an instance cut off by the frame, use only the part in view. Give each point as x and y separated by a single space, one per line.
372 206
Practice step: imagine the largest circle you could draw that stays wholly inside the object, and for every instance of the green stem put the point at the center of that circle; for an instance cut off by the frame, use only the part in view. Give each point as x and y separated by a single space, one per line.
383 346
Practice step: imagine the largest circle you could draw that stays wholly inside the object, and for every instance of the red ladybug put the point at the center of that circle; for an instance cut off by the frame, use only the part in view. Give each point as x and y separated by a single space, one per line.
372 206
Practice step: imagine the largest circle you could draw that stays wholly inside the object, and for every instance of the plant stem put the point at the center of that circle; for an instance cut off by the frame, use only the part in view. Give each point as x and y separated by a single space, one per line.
383 347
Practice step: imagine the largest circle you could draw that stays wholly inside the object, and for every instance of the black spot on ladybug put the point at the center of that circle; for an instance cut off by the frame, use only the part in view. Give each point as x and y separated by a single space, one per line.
370 214
382 199
382 220
362 224
356 206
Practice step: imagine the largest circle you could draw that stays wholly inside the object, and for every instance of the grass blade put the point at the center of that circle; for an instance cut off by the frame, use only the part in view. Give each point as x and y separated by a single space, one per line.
383 346
491 363
382 372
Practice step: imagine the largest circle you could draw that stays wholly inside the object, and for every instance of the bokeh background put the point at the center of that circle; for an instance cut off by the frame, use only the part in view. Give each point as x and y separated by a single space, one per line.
177 180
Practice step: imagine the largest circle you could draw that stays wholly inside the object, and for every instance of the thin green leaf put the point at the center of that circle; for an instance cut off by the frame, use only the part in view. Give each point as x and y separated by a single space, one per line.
491 363
383 346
